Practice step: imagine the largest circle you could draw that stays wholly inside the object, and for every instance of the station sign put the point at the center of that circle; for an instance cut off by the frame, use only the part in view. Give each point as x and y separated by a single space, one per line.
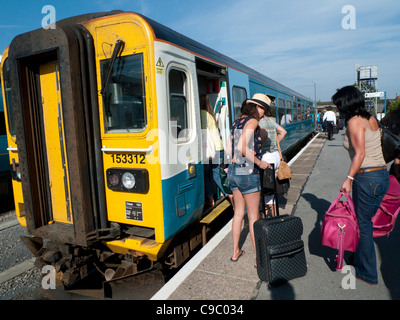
375 95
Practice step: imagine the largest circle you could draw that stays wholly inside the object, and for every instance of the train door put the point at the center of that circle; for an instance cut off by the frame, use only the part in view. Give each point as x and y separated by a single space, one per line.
212 81
54 138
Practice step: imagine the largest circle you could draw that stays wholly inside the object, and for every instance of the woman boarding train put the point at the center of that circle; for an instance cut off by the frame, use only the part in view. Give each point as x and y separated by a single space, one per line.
243 173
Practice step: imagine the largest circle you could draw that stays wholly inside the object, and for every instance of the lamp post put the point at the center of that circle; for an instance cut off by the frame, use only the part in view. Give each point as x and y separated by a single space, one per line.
315 103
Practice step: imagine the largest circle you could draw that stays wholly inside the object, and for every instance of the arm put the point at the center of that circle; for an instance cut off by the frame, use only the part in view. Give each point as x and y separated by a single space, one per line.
357 136
281 133
243 145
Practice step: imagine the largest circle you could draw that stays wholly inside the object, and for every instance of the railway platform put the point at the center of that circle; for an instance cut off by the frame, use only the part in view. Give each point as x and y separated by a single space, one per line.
318 172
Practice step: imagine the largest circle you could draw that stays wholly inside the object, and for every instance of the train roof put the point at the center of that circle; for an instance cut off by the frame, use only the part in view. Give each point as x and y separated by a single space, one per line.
164 33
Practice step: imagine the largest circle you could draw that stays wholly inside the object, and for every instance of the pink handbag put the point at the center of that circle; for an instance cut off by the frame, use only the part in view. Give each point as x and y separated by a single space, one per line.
385 218
339 228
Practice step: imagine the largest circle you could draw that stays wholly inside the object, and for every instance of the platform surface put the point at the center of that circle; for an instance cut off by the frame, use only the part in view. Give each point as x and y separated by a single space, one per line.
318 173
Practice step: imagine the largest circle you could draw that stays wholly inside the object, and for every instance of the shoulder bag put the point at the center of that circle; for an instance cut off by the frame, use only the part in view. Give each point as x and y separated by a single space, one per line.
390 145
284 171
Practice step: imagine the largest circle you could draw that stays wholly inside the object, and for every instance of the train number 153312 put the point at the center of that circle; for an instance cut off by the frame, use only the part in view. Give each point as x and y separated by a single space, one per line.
128 158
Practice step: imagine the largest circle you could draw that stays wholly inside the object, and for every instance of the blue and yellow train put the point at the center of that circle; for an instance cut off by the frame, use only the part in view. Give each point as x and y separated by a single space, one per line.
104 137
5 178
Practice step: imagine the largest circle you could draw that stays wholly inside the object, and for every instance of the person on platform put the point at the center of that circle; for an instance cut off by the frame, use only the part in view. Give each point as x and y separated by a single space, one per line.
330 118
243 173
276 133
367 178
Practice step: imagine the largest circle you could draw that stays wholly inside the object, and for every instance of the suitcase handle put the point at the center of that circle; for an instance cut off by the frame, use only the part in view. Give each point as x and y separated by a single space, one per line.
260 257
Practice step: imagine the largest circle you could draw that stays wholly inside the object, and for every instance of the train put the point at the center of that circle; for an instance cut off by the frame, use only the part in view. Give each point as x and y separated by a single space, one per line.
104 140
5 178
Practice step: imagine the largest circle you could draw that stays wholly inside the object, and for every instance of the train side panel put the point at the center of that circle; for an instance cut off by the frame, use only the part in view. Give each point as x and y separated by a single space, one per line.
179 123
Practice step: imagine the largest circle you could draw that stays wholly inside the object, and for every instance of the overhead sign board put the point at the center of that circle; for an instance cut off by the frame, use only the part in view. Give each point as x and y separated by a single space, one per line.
374 94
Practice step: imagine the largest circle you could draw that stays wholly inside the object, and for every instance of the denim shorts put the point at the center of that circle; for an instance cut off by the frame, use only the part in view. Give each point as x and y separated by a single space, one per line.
241 180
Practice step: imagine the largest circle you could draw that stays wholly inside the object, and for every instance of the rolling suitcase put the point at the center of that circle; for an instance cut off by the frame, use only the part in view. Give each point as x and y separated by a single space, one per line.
280 250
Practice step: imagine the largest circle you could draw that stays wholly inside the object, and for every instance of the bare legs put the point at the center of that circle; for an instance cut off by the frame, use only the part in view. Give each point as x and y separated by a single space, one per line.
251 200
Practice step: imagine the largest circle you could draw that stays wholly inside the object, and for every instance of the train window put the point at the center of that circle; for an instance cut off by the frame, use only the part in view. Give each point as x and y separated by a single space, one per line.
294 113
7 94
178 108
239 95
288 118
273 107
281 111
125 98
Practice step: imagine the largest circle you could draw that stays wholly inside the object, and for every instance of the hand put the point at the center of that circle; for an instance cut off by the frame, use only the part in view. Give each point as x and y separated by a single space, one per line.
346 186
264 165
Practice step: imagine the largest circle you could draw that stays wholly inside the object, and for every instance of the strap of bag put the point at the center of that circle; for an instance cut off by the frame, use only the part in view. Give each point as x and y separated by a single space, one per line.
340 254
275 194
349 201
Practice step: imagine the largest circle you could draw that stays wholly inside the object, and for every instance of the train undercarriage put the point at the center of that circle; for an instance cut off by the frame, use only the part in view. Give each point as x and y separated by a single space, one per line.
97 272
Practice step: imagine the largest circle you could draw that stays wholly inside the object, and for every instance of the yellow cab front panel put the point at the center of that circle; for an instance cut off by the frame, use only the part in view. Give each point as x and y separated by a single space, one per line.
11 140
128 119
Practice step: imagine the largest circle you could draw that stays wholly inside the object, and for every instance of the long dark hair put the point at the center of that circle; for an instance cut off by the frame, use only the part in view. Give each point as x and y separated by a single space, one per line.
250 109
350 102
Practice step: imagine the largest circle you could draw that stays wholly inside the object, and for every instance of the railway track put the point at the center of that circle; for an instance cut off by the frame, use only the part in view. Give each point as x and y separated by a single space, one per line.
20 279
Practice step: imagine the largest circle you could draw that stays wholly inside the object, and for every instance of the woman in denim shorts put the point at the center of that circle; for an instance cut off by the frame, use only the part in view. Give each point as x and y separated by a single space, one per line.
243 174
367 172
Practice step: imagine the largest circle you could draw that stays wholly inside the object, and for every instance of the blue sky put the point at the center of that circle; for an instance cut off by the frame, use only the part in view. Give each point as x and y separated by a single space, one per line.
297 43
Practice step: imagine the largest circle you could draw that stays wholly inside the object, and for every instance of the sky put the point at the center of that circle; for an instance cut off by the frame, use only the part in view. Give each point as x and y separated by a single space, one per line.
311 46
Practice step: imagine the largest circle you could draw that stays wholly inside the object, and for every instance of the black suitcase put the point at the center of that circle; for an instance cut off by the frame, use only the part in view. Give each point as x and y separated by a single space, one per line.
280 250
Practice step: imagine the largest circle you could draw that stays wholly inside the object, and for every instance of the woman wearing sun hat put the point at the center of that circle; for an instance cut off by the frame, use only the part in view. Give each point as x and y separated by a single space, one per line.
243 173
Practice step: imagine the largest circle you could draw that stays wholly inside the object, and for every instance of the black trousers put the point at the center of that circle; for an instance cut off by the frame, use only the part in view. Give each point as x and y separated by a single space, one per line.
329 126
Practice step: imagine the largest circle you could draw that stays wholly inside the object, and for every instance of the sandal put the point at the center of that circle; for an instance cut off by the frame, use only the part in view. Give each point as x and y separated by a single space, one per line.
240 255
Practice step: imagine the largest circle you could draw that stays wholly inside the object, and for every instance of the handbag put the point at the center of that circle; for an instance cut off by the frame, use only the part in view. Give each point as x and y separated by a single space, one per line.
268 177
390 145
224 180
385 218
284 171
339 228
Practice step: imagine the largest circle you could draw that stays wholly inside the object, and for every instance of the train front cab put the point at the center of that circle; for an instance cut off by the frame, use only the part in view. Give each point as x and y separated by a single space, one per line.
96 156
175 79
13 159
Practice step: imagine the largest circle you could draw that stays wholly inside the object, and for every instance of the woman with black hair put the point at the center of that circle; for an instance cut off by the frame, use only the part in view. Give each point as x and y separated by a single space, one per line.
367 172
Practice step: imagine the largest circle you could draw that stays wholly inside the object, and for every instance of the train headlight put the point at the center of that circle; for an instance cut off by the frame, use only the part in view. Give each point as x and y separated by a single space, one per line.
128 180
